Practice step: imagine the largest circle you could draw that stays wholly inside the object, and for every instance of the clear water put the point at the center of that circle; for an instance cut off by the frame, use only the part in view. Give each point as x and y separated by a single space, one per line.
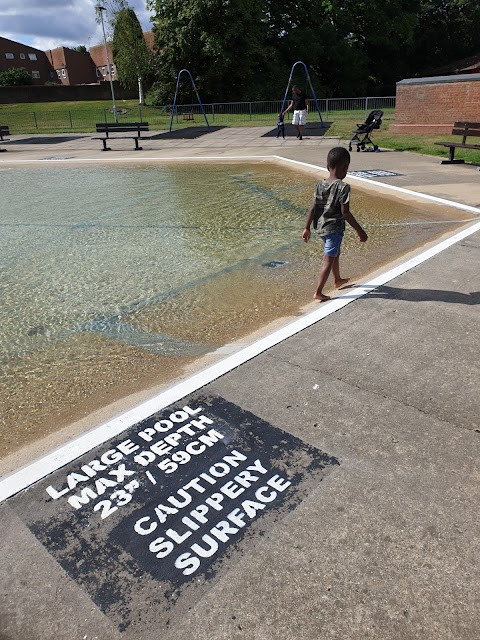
115 277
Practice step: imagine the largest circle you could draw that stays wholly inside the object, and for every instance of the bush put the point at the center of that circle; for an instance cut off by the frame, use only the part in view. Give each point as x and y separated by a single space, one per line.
15 77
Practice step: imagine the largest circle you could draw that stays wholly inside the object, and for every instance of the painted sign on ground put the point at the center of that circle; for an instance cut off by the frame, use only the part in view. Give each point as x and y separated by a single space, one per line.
157 516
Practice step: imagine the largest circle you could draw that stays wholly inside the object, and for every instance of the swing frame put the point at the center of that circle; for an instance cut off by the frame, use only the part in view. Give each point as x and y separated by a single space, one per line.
176 94
314 97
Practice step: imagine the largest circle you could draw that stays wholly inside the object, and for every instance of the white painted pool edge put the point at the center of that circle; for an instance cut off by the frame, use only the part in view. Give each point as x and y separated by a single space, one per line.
388 187
26 476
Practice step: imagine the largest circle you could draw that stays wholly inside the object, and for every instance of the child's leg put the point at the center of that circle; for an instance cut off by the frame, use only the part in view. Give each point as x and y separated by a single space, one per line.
337 279
327 264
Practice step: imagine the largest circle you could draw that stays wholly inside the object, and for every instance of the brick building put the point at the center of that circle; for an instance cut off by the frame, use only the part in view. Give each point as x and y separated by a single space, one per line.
432 105
99 57
62 65
72 67
14 55
99 60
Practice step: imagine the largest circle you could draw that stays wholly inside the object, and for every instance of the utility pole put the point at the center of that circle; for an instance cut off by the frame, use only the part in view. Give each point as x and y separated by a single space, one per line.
100 11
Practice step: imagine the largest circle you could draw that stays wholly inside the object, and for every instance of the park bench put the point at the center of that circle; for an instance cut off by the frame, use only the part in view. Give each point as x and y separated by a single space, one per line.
4 131
120 127
465 129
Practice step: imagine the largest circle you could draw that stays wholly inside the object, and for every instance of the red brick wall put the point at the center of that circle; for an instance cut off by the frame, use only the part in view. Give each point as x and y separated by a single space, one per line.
433 107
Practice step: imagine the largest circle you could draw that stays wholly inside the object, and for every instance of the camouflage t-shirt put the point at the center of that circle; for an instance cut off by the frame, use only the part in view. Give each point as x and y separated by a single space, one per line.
328 200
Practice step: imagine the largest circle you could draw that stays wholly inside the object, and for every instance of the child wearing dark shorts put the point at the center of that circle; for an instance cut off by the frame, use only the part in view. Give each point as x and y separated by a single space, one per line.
329 211
280 126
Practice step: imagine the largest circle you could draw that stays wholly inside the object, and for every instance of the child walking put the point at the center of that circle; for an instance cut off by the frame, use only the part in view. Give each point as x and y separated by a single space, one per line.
281 126
329 211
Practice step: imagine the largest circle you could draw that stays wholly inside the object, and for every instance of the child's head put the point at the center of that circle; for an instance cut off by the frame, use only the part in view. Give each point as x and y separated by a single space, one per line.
338 161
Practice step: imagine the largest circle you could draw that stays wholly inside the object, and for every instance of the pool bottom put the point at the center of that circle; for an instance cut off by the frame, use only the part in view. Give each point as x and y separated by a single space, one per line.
115 376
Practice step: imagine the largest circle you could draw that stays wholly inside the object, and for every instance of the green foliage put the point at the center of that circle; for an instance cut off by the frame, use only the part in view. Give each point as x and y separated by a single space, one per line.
244 49
132 57
447 31
224 44
81 48
15 77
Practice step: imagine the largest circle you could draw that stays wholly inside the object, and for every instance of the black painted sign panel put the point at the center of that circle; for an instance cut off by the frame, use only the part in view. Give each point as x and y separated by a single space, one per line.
148 521
373 173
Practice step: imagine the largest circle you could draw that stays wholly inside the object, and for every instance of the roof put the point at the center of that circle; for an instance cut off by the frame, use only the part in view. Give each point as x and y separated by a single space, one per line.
464 77
465 65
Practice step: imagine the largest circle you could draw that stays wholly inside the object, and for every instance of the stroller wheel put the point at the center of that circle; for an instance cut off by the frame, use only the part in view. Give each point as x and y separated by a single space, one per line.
375 147
363 147
358 147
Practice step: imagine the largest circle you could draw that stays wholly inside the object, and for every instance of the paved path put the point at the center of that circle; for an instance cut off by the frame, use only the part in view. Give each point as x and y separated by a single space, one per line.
383 544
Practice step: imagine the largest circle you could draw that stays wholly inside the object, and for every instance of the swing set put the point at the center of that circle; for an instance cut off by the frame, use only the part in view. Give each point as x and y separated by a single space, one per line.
309 84
194 89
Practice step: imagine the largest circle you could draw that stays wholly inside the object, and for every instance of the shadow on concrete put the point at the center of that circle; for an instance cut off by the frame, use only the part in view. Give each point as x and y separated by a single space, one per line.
188 133
312 129
422 295
39 139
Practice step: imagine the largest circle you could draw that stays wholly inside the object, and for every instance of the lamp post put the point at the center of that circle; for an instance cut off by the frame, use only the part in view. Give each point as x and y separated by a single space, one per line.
100 11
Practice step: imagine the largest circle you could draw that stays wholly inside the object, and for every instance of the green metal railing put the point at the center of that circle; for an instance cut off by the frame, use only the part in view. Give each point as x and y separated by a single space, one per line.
222 114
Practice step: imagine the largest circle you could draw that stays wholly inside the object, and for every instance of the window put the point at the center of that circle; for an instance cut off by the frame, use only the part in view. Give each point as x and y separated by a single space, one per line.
58 72
104 71
22 56
64 73
98 72
112 70
36 74
9 56
32 56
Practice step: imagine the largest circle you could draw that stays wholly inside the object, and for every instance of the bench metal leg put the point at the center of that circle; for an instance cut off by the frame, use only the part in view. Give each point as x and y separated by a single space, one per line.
105 148
451 156
137 148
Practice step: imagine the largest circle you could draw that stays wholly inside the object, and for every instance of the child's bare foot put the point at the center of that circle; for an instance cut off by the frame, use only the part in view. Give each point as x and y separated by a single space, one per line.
321 297
340 283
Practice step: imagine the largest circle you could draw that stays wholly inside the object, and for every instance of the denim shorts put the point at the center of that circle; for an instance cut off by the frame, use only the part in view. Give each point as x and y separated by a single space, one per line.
332 243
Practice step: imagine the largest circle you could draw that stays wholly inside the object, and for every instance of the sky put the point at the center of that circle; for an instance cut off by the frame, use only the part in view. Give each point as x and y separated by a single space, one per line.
46 24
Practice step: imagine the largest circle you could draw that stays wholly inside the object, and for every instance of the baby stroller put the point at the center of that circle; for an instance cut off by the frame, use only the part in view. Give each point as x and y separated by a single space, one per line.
361 136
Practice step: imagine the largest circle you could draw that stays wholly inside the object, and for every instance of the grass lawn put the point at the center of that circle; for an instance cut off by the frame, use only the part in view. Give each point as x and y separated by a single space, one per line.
406 142
80 117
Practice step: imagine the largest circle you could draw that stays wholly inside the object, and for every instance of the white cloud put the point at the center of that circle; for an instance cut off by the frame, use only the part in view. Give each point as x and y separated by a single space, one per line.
46 24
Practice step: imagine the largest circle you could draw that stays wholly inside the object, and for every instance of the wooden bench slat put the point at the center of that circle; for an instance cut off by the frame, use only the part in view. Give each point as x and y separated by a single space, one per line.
475 125
466 132
458 145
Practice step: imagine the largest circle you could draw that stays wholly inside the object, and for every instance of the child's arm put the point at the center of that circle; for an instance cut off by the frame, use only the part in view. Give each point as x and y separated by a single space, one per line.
306 232
350 218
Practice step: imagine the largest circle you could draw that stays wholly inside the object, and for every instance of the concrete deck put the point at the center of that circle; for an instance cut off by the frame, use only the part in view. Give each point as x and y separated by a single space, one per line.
384 544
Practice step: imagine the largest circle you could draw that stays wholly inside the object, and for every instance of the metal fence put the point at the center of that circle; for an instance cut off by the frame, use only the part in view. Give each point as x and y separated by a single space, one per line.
224 114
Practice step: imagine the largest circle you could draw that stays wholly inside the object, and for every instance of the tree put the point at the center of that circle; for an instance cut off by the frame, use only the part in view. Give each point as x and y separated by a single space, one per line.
447 31
224 44
81 48
319 33
133 58
15 77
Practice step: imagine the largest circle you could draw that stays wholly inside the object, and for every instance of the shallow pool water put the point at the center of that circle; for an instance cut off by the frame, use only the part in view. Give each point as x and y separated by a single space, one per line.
115 277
